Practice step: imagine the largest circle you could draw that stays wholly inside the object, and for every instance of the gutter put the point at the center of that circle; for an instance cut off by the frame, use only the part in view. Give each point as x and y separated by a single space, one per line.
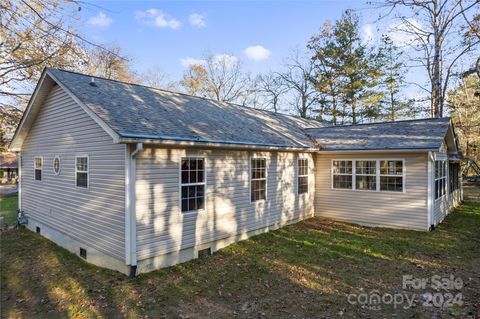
130 211
382 150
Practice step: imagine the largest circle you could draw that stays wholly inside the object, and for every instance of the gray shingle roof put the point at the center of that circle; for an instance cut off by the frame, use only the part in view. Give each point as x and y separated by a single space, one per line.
410 134
137 111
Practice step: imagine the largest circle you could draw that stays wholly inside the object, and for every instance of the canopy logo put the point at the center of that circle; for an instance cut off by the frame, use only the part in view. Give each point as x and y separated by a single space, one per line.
444 293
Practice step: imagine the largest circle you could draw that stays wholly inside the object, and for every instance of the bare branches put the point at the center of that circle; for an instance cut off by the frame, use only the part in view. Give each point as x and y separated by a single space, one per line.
436 43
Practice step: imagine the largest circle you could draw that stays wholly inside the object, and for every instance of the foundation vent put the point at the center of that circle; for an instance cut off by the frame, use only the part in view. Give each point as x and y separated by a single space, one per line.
204 252
37 230
83 253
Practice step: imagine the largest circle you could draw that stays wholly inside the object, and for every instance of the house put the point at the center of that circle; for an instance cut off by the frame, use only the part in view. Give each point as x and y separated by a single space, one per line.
8 168
134 178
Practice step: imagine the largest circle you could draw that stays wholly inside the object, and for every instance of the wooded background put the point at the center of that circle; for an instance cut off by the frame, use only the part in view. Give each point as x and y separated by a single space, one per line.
335 78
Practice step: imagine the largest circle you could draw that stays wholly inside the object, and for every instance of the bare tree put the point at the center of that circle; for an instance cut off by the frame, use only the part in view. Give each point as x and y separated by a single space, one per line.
156 77
297 79
436 28
35 34
193 80
220 77
107 64
271 86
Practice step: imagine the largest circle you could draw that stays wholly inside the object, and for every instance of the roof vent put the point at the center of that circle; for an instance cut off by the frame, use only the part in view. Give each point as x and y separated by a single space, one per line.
92 82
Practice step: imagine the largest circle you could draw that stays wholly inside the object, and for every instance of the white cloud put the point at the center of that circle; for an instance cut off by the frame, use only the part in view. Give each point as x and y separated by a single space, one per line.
257 53
188 61
367 33
401 32
228 59
197 20
158 18
223 58
100 20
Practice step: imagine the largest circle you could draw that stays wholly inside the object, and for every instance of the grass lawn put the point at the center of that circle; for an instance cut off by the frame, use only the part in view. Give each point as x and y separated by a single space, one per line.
8 208
304 270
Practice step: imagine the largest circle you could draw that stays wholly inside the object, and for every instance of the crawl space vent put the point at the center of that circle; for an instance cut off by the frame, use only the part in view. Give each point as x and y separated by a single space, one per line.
204 252
38 230
83 253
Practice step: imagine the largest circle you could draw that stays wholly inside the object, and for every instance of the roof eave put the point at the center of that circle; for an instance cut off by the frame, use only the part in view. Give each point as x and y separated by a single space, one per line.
213 144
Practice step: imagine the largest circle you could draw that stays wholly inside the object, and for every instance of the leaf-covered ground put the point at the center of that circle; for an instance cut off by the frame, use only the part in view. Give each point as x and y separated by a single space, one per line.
305 270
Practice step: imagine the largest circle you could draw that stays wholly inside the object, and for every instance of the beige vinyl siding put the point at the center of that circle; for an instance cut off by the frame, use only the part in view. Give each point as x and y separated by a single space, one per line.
94 216
163 228
400 210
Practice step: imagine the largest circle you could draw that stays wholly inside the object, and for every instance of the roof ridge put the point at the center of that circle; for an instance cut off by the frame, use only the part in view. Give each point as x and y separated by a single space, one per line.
189 95
387 122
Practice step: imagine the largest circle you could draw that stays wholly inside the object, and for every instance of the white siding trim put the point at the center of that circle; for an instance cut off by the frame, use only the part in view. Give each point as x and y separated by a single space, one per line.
128 206
429 190
20 176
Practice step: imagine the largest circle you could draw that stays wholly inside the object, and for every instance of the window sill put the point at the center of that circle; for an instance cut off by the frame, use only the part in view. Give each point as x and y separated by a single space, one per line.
193 212
367 191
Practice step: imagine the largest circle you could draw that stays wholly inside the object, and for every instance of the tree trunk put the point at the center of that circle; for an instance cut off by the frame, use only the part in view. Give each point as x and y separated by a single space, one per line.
334 110
437 63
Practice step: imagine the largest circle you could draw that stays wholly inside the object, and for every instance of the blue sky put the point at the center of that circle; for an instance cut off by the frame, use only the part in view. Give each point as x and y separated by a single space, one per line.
162 33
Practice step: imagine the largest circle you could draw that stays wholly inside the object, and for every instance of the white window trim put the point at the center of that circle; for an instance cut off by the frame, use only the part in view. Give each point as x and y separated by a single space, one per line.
257 179
204 209
435 178
298 175
77 171
354 181
35 168
59 165
377 177
342 174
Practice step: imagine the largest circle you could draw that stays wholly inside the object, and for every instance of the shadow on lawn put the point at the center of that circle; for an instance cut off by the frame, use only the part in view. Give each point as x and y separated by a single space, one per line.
307 269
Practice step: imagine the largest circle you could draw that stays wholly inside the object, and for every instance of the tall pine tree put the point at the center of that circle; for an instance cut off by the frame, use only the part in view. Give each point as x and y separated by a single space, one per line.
347 71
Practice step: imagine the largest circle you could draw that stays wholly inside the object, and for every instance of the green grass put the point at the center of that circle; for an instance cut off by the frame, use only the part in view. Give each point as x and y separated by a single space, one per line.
306 270
8 208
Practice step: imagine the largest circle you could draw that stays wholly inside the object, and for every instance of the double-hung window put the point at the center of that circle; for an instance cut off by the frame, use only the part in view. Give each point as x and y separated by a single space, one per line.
193 184
302 175
37 165
391 175
440 178
258 179
342 174
81 171
366 175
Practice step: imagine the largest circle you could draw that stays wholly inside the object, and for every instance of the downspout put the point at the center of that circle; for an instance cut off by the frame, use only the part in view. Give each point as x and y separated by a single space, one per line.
131 221
430 167
19 179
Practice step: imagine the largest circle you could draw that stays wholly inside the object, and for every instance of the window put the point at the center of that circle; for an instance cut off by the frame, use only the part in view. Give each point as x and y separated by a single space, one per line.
366 175
342 174
193 184
302 175
391 176
258 179
56 165
454 182
440 178
81 171
37 164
